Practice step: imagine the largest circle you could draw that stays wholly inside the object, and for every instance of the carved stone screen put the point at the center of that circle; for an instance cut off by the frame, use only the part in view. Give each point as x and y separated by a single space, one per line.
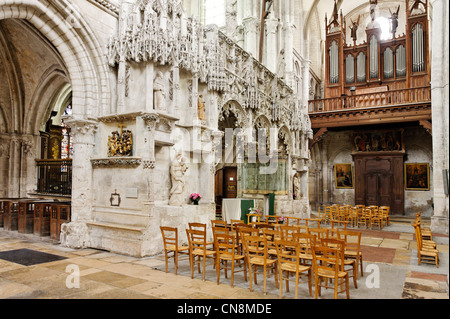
256 182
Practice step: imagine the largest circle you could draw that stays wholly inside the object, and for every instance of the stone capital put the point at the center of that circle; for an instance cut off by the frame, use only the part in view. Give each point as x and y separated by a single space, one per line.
82 130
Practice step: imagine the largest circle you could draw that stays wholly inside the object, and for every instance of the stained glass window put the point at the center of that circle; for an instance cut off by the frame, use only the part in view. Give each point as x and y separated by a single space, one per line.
66 141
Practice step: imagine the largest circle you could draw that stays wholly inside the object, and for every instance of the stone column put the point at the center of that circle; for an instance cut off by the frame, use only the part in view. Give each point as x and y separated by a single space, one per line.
440 112
305 78
270 54
250 36
150 121
75 234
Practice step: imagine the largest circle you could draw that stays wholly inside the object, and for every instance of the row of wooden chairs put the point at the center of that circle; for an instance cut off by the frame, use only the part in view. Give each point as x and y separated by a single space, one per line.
355 216
285 250
427 251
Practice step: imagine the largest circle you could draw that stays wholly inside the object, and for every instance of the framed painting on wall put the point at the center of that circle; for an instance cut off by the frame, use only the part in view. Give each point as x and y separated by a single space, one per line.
417 176
343 175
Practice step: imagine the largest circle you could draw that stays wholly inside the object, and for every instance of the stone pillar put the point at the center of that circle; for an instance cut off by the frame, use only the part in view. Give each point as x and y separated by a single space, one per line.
270 54
440 112
75 234
305 81
251 36
325 172
150 121
4 165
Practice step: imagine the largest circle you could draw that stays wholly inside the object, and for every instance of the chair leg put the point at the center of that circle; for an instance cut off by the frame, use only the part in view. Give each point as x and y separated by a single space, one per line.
175 260
218 270
167 260
355 274
296 285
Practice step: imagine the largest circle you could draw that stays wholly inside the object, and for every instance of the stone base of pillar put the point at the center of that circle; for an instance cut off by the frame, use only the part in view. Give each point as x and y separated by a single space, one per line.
439 225
74 235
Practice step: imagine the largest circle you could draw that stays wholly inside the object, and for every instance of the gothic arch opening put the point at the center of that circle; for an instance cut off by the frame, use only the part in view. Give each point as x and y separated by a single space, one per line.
50 60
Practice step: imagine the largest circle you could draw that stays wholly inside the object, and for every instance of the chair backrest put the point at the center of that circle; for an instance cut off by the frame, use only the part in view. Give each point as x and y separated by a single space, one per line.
327 259
218 222
219 230
339 245
255 246
318 232
247 231
196 239
225 245
418 234
293 220
271 234
170 236
307 242
333 233
288 253
287 232
198 226
233 223
352 240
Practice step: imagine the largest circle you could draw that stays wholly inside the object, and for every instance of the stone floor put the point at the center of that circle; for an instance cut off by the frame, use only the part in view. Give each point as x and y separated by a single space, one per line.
390 272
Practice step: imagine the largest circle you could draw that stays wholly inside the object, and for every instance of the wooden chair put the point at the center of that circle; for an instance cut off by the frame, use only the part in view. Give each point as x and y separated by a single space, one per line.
319 233
328 215
365 218
425 231
316 220
256 254
352 240
349 265
288 254
226 252
376 220
293 220
425 253
385 210
202 227
287 232
198 248
170 240
271 236
306 241
353 216
327 265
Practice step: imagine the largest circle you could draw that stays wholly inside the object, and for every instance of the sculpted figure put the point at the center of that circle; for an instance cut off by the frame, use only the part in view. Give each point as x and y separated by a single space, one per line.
178 169
201 108
159 96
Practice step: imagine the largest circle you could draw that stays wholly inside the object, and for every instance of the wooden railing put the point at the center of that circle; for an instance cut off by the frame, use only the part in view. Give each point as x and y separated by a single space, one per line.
54 176
376 99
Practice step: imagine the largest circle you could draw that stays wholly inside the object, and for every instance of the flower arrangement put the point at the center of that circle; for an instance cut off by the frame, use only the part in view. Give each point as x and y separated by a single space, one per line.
195 198
254 210
281 220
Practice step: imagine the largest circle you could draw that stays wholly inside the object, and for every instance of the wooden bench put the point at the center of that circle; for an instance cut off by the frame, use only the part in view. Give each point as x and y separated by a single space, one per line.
60 214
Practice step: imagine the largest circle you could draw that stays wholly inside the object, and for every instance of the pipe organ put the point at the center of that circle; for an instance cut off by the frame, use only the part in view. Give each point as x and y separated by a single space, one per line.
400 62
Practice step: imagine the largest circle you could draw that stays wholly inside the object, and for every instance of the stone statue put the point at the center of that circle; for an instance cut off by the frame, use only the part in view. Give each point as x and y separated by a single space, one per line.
297 186
393 19
159 96
201 109
354 28
178 168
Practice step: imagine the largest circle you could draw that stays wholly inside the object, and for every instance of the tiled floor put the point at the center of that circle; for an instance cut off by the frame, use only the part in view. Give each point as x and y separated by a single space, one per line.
390 272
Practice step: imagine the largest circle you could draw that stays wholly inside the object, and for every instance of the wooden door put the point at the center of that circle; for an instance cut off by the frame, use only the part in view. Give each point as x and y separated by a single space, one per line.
379 189
379 181
230 182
